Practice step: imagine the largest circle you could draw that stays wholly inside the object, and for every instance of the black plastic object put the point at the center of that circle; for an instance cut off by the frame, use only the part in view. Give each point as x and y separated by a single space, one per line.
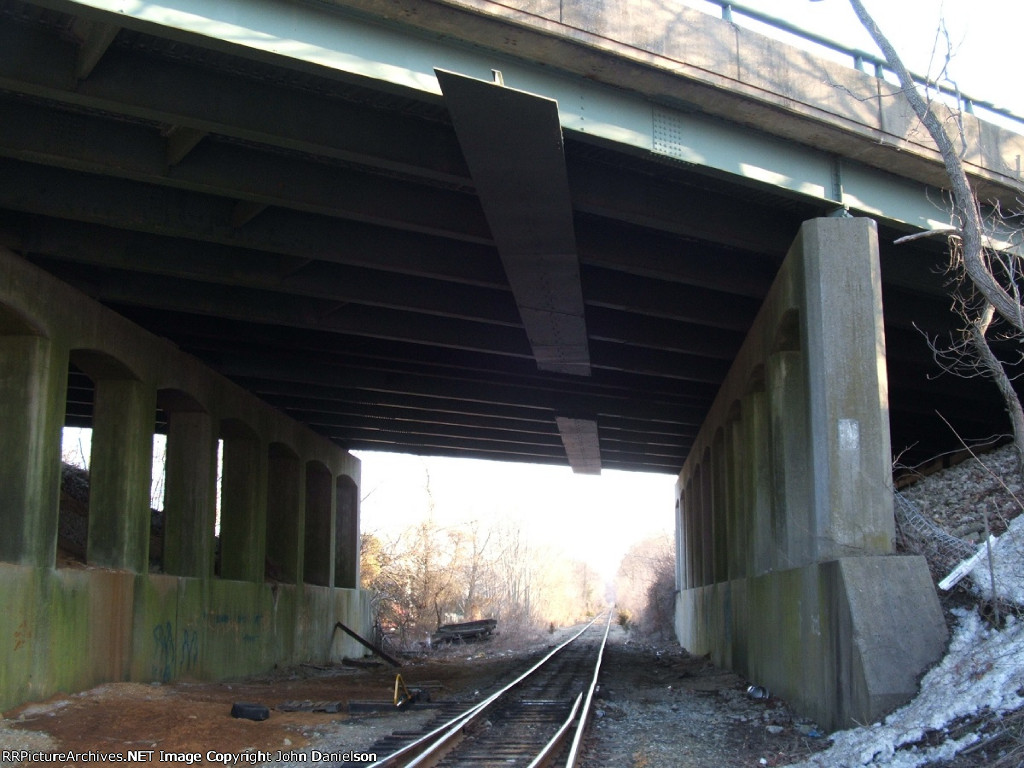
246 711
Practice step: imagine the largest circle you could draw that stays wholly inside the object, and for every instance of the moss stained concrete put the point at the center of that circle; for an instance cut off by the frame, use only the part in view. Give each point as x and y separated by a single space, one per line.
70 629
798 501
109 619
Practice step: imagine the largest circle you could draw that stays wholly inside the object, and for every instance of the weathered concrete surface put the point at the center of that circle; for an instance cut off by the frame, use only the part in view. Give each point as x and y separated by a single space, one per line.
71 629
785 520
679 56
844 641
68 628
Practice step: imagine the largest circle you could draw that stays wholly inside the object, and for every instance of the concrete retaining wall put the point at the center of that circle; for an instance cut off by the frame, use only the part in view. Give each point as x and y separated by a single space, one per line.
68 629
784 519
69 625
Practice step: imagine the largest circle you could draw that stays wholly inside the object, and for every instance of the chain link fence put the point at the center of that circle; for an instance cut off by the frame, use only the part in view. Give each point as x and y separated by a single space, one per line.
921 536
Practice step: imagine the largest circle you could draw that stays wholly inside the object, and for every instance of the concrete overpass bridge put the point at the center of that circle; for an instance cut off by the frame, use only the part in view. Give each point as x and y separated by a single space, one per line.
543 232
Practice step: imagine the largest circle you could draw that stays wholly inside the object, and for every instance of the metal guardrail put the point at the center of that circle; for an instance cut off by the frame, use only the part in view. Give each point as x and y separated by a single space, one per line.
863 59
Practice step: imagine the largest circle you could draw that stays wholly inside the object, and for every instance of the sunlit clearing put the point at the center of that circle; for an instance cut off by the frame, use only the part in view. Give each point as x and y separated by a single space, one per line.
453 540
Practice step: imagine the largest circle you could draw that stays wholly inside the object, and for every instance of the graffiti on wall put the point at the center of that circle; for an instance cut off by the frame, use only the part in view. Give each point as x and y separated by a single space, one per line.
176 652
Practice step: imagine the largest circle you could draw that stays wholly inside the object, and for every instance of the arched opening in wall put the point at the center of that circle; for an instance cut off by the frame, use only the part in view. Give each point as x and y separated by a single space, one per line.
284 519
158 482
102 477
75 451
318 534
346 533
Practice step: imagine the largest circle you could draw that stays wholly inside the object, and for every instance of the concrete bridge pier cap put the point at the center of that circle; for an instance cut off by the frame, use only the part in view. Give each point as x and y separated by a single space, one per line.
785 528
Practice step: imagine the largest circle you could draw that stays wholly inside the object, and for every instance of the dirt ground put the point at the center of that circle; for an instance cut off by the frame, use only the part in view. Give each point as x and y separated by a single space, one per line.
658 706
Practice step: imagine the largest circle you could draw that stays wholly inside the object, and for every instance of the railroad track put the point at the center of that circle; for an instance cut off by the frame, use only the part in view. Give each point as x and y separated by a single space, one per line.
536 720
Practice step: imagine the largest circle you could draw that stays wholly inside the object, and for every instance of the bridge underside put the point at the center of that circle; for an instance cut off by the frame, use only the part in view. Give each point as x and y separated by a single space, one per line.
344 249
435 263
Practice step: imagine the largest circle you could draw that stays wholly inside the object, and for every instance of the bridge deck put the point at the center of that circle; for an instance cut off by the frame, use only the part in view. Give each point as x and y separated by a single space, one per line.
279 189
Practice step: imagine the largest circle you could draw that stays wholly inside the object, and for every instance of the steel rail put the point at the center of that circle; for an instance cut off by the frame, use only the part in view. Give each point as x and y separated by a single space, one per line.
578 738
556 740
430 745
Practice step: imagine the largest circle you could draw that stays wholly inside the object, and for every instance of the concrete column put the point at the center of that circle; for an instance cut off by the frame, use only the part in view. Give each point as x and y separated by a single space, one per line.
758 470
346 550
120 471
190 497
680 543
285 502
707 516
243 507
737 539
845 352
791 514
319 533
720 507
697 526
33 388
691 539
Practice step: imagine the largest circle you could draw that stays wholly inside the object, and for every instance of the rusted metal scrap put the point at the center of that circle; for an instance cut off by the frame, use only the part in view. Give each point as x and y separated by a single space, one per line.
367 644
310 706
466 632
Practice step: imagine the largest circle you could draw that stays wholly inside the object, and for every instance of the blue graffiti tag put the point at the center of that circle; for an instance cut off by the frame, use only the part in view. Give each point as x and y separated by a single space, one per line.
169 661
166 651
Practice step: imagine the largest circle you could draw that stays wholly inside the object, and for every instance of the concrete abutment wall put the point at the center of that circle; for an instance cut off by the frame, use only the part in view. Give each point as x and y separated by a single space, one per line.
286 493
784 520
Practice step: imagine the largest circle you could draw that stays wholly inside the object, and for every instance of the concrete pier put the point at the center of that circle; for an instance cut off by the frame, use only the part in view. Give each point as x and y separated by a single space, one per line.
785 523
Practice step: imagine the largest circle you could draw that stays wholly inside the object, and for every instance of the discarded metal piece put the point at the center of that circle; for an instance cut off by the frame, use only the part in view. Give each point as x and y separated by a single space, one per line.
359 706
758 692
405 696
466 632
248 711
370 705
379 651
402 695
331 707
360 663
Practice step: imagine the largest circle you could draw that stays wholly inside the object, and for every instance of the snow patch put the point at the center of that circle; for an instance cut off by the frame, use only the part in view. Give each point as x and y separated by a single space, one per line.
982 671
1007 565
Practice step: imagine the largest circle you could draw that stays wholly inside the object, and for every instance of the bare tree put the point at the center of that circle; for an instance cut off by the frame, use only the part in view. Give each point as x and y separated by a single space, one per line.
645 584
987 289
475 568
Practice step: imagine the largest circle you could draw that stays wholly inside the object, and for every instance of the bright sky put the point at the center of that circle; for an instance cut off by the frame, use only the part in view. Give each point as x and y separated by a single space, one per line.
597 518
592 518
985 36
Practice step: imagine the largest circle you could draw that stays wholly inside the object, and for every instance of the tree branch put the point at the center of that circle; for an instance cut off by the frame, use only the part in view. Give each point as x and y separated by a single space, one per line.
965 203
